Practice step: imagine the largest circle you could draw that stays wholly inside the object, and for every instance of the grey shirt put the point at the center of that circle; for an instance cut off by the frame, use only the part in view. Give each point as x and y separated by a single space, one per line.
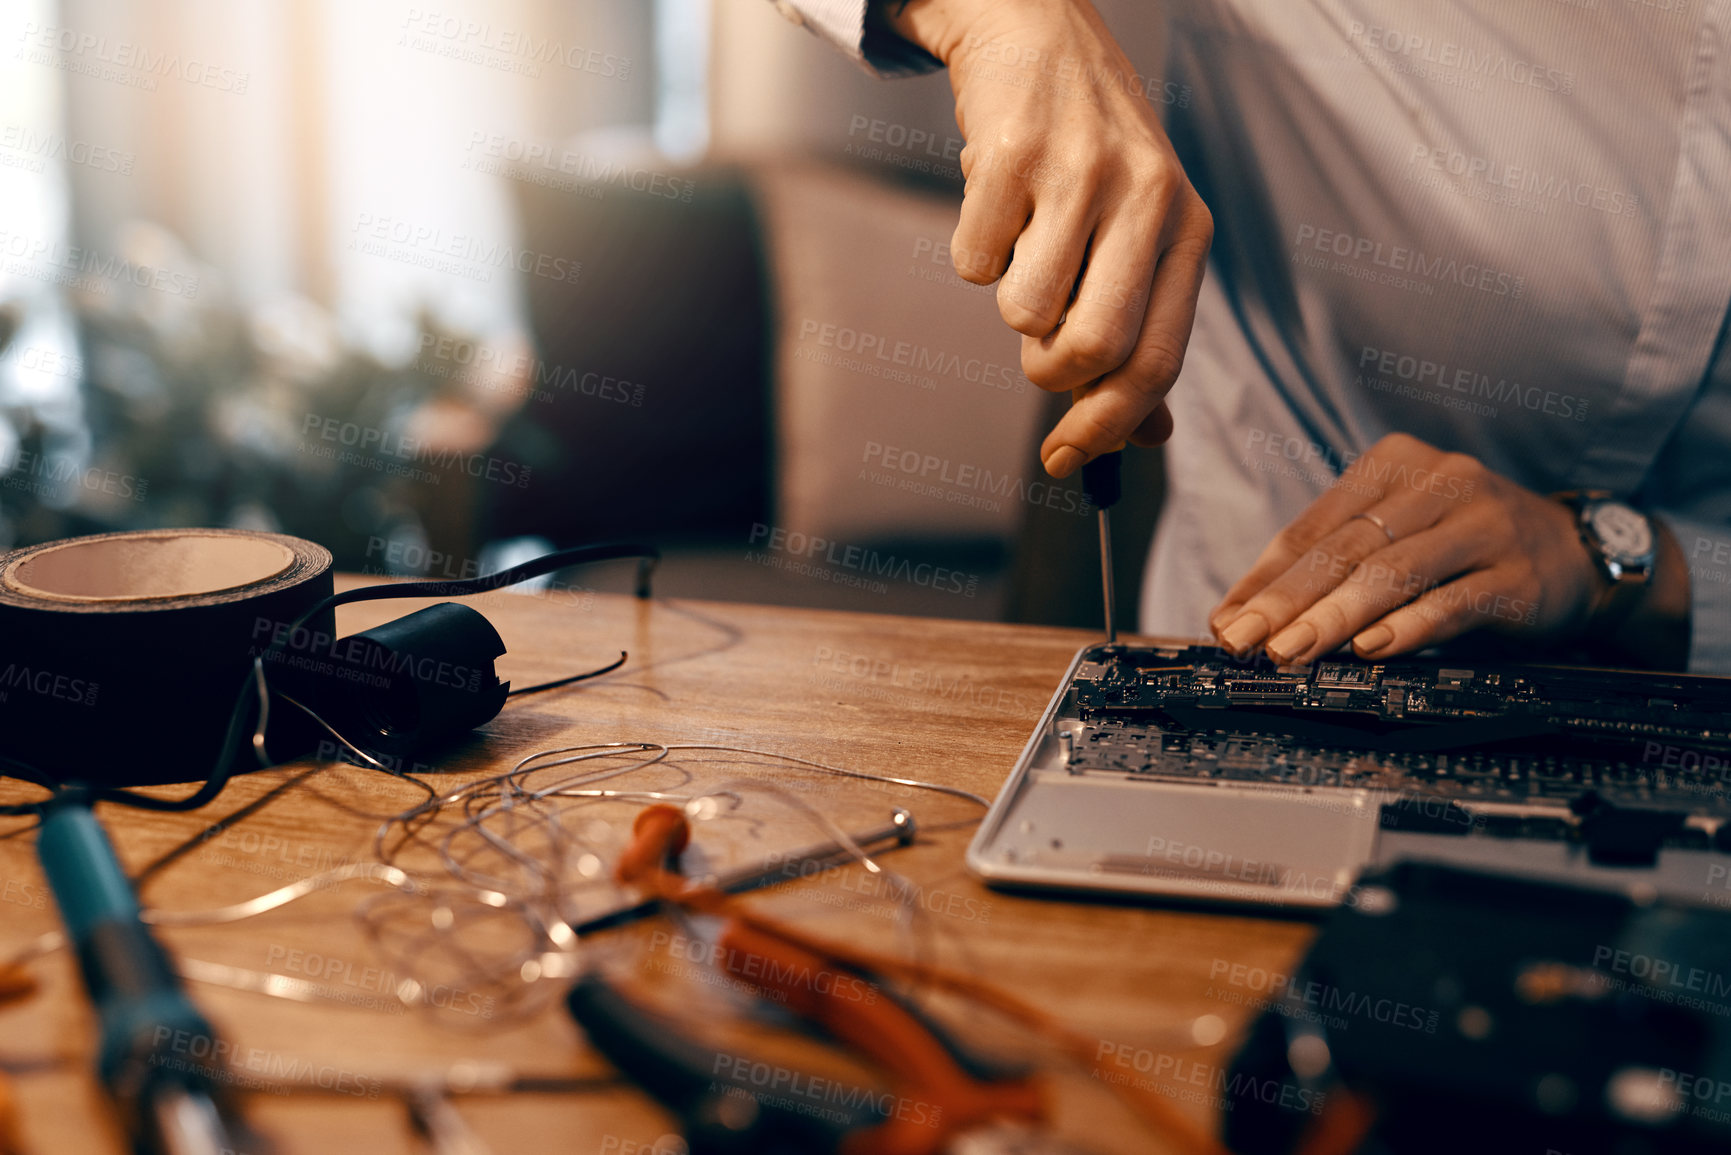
1502 226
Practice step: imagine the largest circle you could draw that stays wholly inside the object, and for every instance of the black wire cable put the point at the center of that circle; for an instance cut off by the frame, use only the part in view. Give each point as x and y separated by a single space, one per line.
468 587
554 685
242 717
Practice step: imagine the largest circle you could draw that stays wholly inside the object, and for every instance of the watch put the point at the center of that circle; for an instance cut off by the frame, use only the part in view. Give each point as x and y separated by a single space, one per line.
1621 542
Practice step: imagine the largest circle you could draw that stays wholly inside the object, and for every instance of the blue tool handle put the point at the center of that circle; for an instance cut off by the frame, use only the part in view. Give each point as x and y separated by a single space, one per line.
152 1036
88 882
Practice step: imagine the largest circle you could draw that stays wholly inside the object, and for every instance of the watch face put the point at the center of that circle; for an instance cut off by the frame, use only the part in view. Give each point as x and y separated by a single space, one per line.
1627 535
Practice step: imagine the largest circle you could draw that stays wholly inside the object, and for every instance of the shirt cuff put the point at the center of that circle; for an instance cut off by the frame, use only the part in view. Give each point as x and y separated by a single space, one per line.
1707 546
843 24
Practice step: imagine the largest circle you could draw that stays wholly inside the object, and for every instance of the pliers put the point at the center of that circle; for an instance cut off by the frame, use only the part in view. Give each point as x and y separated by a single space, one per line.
731 1103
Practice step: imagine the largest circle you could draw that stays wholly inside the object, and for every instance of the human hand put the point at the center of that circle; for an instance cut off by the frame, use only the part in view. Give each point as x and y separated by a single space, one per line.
1076 205
1464 549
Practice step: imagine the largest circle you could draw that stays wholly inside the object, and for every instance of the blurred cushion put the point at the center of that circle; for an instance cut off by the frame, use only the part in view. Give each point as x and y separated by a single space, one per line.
901 408
649 410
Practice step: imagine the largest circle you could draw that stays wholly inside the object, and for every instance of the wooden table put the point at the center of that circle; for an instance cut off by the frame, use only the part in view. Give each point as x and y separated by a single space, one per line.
948 701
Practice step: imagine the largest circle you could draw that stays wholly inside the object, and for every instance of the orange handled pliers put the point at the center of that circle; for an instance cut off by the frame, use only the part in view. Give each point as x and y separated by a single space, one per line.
728 1102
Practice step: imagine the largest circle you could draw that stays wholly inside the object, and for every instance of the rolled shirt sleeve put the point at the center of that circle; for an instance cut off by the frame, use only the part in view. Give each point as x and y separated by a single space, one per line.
843 24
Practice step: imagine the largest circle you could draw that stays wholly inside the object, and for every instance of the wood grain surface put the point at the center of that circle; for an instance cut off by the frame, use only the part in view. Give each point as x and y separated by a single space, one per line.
952 702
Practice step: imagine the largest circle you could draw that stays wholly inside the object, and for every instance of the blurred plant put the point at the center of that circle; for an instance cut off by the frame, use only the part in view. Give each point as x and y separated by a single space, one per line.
191 411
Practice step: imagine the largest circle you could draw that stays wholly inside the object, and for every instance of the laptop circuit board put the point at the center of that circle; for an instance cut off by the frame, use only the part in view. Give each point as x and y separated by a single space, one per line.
1515 734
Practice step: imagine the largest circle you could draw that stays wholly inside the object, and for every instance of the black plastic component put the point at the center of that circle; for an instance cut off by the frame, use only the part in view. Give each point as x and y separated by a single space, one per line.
1426 816
1481 1013
1525 826
415 683
1622 836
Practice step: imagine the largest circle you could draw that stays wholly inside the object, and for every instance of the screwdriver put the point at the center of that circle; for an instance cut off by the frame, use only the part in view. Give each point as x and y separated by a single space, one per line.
1102 485
157 1054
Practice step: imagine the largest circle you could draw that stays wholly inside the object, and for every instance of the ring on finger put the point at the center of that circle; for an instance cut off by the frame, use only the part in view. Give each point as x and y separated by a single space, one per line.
1376 521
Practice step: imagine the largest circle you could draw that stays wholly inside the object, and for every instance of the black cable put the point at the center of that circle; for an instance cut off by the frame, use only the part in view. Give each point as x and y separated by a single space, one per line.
554 685
468 587
241 716
25 772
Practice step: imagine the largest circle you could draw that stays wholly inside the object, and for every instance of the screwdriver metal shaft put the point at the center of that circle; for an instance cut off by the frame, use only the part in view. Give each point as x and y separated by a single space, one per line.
1102 484
1106 576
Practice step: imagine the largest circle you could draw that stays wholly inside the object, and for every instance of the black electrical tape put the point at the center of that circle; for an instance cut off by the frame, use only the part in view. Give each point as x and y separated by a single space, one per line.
103 687
107 681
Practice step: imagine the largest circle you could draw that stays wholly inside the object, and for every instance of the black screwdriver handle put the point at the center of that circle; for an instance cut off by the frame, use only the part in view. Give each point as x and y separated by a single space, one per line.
1102 481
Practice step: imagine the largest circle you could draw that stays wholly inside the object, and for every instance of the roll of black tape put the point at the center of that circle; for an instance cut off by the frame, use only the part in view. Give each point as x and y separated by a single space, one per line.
128 658
122 655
